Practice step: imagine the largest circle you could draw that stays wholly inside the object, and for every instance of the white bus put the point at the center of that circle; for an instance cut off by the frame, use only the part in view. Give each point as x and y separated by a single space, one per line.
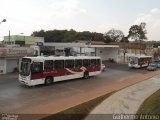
46 70
139 61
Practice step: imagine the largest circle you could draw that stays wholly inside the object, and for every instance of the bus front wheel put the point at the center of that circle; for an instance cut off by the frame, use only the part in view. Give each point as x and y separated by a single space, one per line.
86 75
48 80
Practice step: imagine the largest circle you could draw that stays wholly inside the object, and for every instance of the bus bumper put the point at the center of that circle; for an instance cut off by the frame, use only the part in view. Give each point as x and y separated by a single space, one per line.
25 80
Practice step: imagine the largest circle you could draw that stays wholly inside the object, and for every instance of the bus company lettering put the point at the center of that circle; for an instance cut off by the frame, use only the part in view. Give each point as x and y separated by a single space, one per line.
18 51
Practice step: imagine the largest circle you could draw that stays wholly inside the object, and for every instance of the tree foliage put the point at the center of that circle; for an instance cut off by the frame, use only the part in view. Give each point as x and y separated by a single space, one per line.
124 39
138 32
113 35
67 35
155 44
107 39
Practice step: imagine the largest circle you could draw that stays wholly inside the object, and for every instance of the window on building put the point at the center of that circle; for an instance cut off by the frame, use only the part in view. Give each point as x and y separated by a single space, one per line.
18 42
59 64
69 63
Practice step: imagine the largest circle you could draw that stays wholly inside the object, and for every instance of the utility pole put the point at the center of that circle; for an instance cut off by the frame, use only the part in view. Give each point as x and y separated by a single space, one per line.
9 37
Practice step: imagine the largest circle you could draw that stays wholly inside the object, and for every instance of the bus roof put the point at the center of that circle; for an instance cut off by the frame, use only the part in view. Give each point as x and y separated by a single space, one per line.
141 56
42 58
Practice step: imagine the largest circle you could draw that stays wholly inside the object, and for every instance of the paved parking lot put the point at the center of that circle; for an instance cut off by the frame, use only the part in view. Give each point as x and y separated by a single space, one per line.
17 98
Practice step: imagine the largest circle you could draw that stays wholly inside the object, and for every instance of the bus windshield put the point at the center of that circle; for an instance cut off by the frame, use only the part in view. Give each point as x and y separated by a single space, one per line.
25 68
133 60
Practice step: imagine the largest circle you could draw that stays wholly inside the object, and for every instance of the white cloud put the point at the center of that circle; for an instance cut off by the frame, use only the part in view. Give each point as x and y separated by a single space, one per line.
106 27
22 16
152 18
66 8
155 10
156 24
144 18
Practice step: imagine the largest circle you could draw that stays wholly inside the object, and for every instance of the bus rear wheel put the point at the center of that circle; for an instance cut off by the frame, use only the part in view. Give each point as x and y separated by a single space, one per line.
86 75
48 80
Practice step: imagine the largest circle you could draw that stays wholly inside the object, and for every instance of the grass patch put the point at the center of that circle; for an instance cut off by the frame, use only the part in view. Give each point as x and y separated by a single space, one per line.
151 105
78 112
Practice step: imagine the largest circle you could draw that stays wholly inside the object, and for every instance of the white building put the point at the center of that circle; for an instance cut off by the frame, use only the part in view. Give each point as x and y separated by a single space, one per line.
23 40
9 57
106 52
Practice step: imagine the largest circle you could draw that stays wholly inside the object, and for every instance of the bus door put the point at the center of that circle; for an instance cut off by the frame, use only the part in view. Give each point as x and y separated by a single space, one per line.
37 70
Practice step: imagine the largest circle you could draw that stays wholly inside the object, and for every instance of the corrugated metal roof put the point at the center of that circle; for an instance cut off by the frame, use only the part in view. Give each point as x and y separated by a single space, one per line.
80 45
104 46
66 44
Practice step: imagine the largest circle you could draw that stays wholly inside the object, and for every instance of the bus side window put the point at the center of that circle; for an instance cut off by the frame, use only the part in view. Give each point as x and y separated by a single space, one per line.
86 62
69 63
78 63
48 64
36 67
139 61
98 62
59 64
93 62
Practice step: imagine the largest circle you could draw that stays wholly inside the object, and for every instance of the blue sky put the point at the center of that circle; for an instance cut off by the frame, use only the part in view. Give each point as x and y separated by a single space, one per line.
26 16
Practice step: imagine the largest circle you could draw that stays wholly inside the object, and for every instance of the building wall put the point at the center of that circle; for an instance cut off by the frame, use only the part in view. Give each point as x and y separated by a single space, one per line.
12 64
9 57
108 53
29 40
84 51
8 65
123 58
104 53
2 66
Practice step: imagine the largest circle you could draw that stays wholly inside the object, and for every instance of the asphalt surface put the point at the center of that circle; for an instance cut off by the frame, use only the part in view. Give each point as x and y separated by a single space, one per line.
15 97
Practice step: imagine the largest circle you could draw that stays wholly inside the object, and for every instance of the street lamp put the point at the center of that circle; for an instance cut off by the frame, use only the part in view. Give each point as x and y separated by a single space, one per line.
23 38
4 20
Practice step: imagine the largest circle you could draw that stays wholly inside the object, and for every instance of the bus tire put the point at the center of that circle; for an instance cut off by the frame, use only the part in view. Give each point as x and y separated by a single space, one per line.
48 80
86 75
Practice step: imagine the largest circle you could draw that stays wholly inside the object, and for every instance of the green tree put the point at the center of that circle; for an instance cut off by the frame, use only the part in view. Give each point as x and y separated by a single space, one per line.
138 32
156 44
85 35
70 36
40 33
124 39
67 36
114 35
107 39
98 36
